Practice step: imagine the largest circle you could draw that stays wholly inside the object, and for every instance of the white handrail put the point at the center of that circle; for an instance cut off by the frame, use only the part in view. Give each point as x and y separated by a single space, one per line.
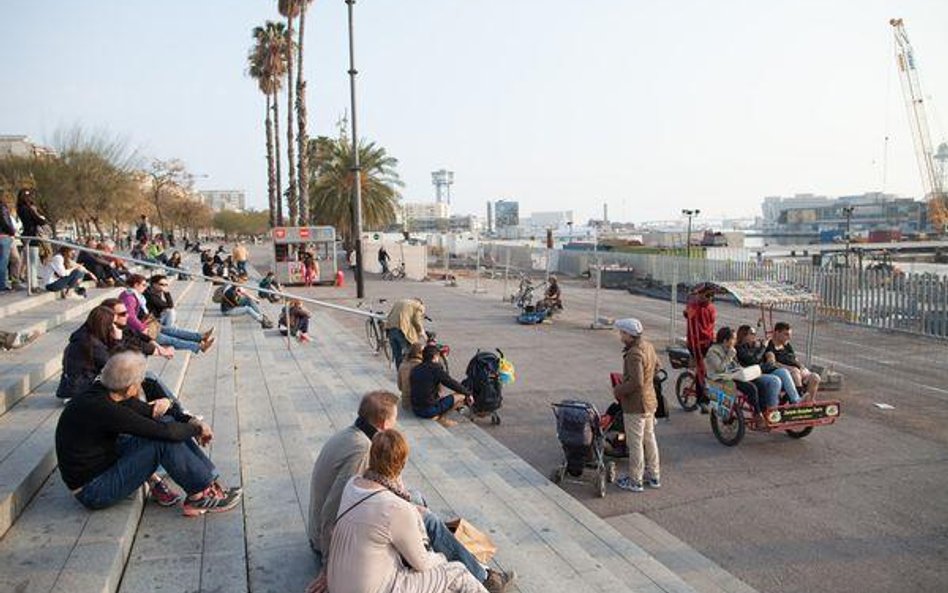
285 295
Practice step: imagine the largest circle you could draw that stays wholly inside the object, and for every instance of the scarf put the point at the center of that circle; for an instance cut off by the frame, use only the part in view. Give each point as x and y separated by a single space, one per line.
394 486
366 427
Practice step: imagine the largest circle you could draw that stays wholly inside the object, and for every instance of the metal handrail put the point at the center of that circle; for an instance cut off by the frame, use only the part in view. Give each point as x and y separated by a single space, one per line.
284 295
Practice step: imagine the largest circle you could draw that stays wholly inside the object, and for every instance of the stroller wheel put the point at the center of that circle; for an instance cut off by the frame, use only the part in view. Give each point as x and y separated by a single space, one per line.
601 483
495 418
611 472
558 474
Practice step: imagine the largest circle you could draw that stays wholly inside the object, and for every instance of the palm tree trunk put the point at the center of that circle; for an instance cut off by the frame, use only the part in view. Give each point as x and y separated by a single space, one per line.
271 171
301 116
279 177
291 197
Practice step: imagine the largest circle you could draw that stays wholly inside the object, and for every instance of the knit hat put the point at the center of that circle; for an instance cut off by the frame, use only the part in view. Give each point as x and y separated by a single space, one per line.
630 325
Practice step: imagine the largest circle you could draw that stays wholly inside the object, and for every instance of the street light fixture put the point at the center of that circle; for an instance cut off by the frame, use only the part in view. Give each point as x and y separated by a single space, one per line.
690 214
356 165
848 212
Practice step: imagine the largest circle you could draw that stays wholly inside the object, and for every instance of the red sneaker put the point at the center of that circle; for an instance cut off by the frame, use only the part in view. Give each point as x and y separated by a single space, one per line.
164 495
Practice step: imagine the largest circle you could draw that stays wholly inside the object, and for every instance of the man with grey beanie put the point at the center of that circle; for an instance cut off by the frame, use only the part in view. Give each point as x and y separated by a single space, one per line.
636 394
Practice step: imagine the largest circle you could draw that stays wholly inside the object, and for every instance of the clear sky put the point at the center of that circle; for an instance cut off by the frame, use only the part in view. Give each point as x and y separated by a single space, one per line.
561 104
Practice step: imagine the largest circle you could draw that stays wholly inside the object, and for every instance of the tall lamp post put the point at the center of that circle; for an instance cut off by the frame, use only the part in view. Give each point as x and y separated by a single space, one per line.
356 165
848 212
690 214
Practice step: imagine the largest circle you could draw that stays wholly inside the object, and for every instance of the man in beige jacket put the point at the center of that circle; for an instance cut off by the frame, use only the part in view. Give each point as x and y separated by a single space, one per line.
405 326
636 394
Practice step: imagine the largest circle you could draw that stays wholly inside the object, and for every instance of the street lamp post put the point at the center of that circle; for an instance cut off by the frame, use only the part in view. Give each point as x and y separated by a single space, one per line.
690 214
356 165
848 211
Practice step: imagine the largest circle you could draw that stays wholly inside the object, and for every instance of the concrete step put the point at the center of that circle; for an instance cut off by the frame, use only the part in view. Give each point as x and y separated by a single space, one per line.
22 370
15 302
48 315
26 464
206 553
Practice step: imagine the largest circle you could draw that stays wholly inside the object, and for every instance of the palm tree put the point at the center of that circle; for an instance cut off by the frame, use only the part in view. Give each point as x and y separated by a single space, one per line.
332 184
301 120
267 60
290 9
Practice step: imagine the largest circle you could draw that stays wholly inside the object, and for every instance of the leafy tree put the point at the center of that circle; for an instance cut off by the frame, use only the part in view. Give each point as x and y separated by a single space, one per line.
241 223
168 180
332 185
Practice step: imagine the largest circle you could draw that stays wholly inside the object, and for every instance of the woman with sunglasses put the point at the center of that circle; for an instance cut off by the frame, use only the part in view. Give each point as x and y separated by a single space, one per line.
88 350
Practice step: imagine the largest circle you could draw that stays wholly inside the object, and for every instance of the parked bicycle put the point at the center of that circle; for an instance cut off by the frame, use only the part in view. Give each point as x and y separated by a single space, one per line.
375 329
396 273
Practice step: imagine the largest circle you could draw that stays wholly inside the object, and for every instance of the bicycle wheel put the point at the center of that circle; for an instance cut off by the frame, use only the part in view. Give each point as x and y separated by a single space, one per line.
370 334
686 390
383 344
729 431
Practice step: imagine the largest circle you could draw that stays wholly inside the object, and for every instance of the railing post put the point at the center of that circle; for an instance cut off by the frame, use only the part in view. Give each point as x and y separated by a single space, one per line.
28 253
503 297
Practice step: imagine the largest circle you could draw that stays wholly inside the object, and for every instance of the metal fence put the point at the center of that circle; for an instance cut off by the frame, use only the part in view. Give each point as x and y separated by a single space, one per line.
891 300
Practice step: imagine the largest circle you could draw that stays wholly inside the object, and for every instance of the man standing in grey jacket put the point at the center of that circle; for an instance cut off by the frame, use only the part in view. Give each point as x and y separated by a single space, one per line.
346 454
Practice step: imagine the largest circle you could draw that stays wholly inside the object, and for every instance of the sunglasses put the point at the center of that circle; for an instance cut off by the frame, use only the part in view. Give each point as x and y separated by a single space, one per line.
163 284
121 313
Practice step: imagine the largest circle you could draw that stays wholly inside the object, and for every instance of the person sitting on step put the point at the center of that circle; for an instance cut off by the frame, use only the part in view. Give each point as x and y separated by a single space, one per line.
379 542
88 350
409 363
269 282
139 318
346 454
237 301
426 381
61 274
298 323
109 443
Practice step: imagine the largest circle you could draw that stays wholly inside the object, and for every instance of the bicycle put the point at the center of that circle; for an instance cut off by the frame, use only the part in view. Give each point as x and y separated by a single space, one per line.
397 273
375 334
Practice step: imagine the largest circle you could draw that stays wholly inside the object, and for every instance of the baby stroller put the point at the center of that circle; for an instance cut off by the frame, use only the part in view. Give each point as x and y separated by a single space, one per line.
579 429
483 380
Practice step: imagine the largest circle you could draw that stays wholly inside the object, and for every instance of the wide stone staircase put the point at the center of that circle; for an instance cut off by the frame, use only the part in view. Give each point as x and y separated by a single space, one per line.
272 405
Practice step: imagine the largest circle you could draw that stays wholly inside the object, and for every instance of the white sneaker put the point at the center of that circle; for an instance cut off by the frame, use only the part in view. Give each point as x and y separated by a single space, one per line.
75 297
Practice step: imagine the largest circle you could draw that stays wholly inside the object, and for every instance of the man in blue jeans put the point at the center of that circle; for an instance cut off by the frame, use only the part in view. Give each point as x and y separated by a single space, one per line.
346 454
109 443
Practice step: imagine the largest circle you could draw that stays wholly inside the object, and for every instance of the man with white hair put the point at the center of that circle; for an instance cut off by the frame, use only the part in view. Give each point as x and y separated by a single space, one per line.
109 443
636 394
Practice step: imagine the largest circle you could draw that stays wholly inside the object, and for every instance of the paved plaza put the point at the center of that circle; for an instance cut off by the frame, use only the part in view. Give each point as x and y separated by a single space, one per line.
859 506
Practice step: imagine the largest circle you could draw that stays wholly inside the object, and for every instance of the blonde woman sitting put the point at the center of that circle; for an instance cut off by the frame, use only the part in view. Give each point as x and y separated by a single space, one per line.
379 543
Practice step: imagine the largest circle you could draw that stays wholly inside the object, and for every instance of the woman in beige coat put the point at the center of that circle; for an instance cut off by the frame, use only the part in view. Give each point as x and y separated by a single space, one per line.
379 542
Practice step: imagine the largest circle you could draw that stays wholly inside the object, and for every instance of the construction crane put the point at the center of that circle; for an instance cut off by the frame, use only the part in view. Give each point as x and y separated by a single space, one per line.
932 180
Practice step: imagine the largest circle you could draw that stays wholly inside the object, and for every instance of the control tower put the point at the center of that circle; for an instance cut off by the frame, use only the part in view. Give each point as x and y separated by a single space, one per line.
442 180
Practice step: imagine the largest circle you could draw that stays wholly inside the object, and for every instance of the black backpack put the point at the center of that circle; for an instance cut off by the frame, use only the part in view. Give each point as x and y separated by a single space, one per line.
483 380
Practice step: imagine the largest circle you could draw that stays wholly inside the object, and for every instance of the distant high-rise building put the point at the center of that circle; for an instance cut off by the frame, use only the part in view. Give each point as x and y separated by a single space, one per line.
442 180
506 213
224 199
490 217
419 210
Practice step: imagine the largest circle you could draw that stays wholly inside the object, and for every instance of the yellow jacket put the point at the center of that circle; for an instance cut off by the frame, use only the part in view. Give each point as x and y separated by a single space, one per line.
408 315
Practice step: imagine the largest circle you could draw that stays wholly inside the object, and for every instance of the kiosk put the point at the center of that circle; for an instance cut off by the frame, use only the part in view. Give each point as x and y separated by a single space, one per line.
289 245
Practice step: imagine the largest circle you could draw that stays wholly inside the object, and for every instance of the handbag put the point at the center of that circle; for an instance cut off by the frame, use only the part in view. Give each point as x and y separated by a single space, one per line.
477 542
745 374
152 327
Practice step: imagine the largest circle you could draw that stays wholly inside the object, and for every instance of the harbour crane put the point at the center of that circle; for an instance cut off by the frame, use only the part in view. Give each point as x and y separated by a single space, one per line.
932 180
